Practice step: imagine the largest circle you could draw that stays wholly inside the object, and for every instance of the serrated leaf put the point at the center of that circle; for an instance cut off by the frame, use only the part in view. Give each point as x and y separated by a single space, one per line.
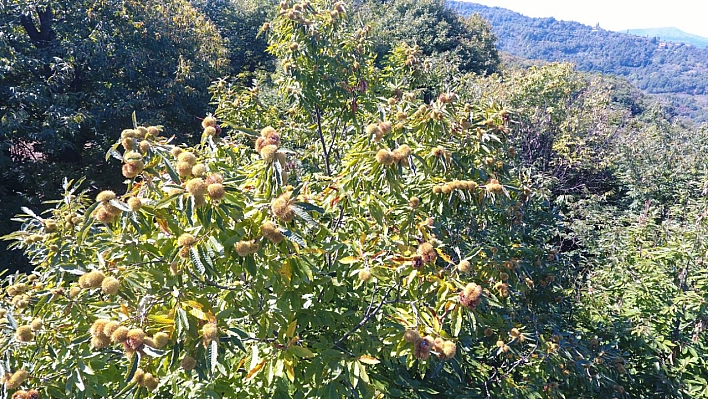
194 256
443 255
304 215
293 237
204 256
199 314
241 129
79 381
278 173
232 240
412 276
286 271
216 246
181 322
11 320
305 270
213 355
310 207
289 368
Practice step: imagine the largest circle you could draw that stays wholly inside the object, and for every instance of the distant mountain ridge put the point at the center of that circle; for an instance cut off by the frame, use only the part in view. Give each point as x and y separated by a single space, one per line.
670 35
649 63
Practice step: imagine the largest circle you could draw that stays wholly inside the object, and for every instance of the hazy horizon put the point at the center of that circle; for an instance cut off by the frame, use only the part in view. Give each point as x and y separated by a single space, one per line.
616 15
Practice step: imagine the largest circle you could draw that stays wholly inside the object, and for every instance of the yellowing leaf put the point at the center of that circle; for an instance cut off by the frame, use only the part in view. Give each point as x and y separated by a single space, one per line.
256 369
456 321
241 362
162 224
196 310
194 304
291 329
436 324
315 251
348 260
165 322
400 259
443 255
301 351
198 313
369 359
289 368
286 271
410 278
161 319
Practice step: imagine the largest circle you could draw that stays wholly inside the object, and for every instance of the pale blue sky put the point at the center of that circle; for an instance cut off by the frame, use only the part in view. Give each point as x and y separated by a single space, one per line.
688 15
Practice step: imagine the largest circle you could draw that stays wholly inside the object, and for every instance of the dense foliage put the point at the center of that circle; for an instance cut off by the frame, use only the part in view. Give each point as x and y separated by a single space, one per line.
436 29
239 23
367 224
72 71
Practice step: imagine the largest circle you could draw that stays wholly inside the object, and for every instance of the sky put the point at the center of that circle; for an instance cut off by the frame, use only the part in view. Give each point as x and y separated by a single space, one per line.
690 16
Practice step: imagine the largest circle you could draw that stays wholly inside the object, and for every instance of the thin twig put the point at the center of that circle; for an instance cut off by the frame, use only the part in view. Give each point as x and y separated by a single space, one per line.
214 284
322 140
366 318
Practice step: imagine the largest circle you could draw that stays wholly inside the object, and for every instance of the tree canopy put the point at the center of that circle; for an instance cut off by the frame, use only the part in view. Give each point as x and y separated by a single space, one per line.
367 226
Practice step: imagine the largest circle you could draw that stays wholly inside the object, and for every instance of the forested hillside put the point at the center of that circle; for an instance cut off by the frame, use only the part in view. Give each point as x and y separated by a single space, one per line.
671 35
342 199
652 65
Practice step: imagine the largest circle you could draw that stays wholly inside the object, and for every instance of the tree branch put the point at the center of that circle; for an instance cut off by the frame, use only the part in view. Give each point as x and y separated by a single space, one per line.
322 140
366 318
40 38
214 284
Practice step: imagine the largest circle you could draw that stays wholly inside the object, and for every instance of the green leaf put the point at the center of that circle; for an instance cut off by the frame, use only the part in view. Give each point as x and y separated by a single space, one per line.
171 171
153 352
457 321
293 237
133 367
120 205
301 352
242 129
310 207
207 260
181 322
304 215
194 257
232 240
113 152
212 355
